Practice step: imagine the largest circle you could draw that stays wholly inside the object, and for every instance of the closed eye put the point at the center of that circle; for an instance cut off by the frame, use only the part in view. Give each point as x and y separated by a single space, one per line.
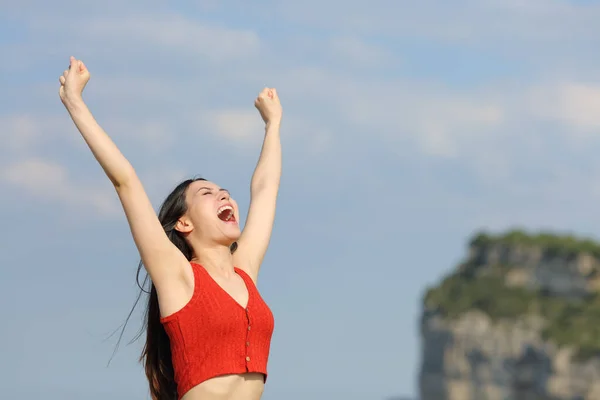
209 190
205 189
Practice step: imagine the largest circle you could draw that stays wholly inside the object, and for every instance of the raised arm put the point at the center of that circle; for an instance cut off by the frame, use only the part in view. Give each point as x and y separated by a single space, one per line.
254 241
160 257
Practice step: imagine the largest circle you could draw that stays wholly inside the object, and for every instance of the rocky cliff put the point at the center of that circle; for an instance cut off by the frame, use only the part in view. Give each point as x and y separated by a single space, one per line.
518 319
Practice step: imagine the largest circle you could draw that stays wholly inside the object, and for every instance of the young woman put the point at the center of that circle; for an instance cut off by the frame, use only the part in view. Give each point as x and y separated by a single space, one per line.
208 330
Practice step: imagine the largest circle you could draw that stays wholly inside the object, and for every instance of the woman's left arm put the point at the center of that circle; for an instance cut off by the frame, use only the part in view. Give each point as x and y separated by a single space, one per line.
254 241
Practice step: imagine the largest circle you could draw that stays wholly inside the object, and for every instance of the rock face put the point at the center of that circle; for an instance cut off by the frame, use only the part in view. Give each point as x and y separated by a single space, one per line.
519 319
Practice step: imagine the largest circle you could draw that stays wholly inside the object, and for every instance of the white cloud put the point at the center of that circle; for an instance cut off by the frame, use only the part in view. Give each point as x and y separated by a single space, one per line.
168 32
132 89
18 132
492 129
236 125
355 50
438 120
153 135
415 117
21 133
575 104
130 39
443 127
47 180
552 22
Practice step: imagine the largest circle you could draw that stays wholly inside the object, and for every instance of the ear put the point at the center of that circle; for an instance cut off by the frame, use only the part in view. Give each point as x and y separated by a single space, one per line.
184 225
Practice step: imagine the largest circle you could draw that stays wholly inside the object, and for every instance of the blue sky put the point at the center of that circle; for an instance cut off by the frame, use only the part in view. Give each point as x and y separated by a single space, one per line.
408 126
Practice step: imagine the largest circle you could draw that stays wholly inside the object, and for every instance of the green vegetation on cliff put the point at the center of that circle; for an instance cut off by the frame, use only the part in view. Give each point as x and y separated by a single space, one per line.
460 293
569 322
552 243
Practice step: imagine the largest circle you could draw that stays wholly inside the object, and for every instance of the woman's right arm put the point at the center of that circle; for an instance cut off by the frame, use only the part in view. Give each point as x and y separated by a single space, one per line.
162 259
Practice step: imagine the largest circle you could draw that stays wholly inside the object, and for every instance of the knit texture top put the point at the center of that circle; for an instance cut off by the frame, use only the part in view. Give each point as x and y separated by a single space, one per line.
214 335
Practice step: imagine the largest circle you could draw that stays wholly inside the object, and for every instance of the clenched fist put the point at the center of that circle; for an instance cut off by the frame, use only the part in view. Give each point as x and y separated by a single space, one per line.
73 81
269 106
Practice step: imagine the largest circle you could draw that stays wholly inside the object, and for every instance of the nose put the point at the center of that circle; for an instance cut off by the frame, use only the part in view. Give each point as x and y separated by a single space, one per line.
224 196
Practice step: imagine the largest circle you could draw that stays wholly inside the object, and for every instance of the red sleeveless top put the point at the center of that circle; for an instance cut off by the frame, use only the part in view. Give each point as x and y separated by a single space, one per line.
214 335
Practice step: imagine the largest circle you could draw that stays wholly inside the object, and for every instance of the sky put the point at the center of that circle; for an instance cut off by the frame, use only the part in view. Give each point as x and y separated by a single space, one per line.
408 127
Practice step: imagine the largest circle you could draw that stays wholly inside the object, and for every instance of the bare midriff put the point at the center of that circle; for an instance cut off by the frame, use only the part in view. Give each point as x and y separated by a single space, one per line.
247 386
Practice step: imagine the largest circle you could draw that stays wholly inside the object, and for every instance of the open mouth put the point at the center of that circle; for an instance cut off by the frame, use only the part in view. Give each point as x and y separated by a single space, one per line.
225 213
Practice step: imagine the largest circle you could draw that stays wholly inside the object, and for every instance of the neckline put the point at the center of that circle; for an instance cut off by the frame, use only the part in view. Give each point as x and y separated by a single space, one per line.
237 272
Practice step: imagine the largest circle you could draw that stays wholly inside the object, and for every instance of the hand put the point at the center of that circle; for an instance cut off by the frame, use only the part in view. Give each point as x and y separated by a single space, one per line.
269 106
73 81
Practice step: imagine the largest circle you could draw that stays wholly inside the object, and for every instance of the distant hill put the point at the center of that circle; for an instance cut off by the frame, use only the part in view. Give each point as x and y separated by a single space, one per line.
519 318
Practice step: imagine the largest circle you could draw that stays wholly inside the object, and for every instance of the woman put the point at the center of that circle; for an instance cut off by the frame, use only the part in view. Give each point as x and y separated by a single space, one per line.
208 329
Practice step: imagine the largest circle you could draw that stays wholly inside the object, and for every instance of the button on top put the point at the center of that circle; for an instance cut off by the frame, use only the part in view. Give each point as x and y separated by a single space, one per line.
247 343
248 327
